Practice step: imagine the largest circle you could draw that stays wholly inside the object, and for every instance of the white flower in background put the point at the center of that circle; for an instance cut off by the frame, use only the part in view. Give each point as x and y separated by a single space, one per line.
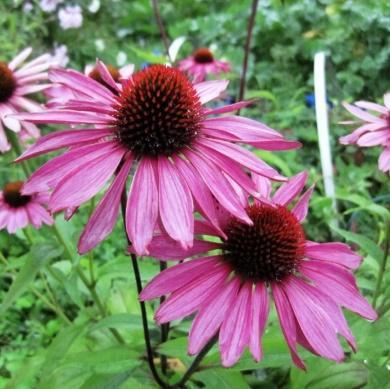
100 45
27 7
94 6
121 58
49 5
60 55
70 17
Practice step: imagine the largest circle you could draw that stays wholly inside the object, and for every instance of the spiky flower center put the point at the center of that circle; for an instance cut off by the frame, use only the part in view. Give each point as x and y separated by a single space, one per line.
7 82
267 251
95 75
203 55
158 112
12 194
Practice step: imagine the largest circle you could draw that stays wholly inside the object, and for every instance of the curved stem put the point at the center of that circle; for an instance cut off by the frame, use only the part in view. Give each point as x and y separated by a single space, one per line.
251 24
195 364
160 24
382 268
137 275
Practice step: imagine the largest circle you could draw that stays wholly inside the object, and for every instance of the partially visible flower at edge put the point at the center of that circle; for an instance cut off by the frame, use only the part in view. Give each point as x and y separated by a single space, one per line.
155 124
228 288
18 79
374 131
70 16
201 63
18 211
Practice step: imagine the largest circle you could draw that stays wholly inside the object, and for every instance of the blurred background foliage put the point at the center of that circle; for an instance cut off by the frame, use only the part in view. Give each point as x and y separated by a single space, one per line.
39 349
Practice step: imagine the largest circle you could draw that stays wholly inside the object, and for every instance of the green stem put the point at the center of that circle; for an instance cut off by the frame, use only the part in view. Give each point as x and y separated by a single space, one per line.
18 151
382 268
56 309
53 300
28 235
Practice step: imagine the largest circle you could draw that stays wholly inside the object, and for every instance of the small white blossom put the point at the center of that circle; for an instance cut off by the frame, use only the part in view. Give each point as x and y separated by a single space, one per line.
100 45
121 58
70 17
60 55
94 6
49 5
27 7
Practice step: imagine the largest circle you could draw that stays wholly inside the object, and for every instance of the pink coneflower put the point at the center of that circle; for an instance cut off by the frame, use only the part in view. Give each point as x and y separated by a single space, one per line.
229 288
17 81
60 94
18 211
374 131
155 125
201 63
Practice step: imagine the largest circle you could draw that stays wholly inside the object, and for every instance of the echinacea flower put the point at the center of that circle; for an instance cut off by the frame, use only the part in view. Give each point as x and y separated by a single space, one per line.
230 289
18 210
16 81
154 125
59 94
201 63
375 129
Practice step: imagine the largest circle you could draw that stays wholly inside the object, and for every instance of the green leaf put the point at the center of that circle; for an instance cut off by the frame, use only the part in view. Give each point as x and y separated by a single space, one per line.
221 378
76 368
119 320
40 255
60 346
274 159
110 360
104 381
335 376
175 347
364 243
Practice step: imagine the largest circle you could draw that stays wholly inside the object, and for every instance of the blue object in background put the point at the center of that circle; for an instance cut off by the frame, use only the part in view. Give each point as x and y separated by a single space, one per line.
310 101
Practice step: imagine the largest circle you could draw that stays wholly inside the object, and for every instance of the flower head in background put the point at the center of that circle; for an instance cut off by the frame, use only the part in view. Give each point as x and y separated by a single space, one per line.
49 5
70 16
18 79
201 63
18 211
154 124
59 94
229 289
374 129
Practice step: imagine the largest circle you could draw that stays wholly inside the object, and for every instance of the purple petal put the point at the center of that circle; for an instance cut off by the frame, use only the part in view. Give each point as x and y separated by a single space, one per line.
105 215
289 190
211 314
301 207
175 202
142 207
83 183
177 276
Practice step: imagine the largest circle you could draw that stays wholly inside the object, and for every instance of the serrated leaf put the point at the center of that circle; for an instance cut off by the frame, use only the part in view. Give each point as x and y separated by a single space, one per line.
40 255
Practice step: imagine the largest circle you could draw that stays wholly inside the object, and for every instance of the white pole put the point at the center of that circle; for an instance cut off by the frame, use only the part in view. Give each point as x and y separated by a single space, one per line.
323 126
